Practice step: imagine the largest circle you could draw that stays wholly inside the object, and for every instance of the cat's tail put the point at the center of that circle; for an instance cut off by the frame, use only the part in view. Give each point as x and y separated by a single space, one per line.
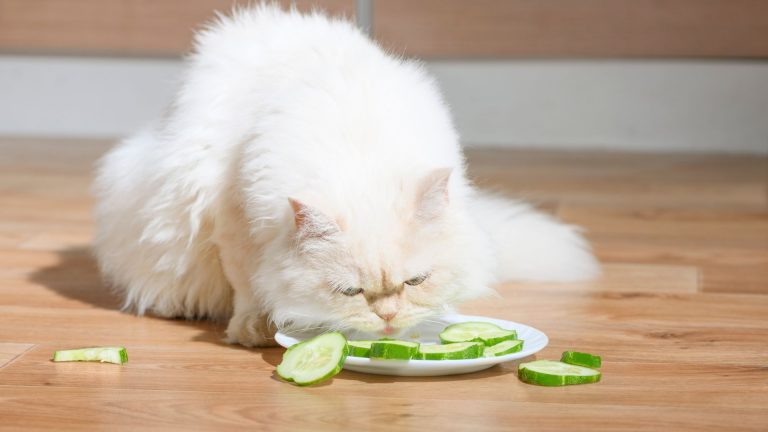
530 245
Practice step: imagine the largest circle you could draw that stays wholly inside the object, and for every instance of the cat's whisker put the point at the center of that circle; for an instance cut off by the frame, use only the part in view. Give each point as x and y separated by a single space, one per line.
299 314
326 326
432 322
303 329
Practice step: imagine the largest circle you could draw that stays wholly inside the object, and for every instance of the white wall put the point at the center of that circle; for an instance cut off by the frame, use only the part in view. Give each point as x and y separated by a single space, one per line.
622 105
93 97
633 105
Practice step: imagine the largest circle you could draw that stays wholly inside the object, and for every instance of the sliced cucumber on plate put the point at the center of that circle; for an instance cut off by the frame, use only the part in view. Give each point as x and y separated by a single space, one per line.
453 351
504 348
488 333
359 348
394 349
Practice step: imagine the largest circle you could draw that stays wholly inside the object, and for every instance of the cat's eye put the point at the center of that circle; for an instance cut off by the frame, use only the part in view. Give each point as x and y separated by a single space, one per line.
417 280
351 291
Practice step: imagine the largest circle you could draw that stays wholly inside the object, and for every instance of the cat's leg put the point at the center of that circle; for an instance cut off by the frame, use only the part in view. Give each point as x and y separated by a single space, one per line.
239 251
250 325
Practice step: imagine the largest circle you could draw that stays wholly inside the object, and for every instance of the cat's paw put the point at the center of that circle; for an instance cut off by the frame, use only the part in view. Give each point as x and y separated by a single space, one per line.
251 330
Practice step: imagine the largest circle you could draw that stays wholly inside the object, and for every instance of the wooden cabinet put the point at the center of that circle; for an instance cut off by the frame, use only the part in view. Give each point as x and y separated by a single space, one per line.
423 28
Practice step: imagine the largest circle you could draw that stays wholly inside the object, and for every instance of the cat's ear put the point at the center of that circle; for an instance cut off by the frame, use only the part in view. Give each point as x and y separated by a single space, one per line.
311 223
433 196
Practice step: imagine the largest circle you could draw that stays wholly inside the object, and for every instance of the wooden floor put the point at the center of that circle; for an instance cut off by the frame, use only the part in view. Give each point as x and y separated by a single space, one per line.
680 317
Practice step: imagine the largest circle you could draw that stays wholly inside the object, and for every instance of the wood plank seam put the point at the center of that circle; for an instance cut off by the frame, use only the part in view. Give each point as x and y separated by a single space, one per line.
16 357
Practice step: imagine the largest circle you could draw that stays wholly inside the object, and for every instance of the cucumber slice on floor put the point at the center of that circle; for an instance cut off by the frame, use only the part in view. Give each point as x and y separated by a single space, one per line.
116 355
314 360
359 348
555 373
394 350
487 333
504 348
454 351
581 359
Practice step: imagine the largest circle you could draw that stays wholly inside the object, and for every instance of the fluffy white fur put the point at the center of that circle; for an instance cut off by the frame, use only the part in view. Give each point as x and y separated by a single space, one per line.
194 217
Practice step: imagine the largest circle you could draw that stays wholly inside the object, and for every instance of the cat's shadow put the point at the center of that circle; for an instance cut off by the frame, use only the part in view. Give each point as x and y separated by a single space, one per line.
76 276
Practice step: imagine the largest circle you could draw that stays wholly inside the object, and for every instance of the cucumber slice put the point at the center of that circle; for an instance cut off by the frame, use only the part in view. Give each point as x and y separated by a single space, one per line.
555 373
581 359
359 348
314 360
487 333
497 337
394 349
454 351
504 348
116 355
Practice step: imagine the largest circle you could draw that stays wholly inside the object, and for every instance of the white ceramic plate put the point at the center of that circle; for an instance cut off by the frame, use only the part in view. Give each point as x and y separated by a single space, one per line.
426 333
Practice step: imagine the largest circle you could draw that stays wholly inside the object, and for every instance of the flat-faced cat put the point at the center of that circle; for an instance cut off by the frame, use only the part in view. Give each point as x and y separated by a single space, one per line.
304 177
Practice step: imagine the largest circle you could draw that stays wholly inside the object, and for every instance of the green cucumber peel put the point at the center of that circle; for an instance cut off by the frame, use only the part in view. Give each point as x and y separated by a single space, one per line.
394 349
504 348
581 359
360 348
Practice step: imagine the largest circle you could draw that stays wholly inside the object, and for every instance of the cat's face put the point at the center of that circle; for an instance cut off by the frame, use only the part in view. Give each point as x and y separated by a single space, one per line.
381 279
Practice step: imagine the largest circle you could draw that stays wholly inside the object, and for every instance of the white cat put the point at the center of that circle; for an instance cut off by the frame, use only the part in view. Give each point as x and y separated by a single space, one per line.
305 177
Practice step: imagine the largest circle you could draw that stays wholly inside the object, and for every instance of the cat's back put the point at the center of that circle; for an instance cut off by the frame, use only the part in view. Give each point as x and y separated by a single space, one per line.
266 34
263 51
317 102
309 102
314 80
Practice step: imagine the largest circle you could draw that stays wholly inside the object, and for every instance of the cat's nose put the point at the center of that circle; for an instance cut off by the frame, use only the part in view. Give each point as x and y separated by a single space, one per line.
386 316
